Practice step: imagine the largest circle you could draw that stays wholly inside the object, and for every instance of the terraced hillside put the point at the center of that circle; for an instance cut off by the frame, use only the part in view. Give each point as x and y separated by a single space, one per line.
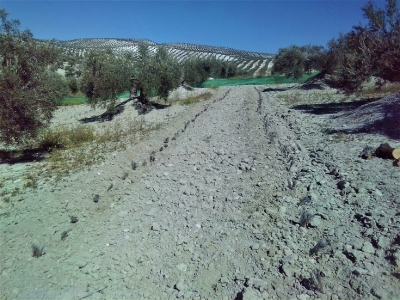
254 63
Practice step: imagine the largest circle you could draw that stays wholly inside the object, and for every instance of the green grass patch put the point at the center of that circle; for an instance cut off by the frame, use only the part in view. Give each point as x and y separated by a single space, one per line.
72 101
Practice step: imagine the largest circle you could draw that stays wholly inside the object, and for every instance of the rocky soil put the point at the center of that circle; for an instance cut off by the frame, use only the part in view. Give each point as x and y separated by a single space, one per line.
241 197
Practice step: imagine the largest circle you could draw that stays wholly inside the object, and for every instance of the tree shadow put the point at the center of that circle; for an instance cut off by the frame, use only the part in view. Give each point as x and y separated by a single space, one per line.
187 87
22 156
274 90
160 106
312 86
384 116
106 116
388 125
333 107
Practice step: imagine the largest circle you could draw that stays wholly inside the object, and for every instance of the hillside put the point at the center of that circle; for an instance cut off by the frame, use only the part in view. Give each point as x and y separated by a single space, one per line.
254 63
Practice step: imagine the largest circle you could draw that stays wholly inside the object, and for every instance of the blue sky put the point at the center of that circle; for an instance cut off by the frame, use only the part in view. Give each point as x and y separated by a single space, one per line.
260 26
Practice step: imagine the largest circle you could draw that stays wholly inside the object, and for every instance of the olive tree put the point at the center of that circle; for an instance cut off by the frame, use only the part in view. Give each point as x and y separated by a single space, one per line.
158 72
295 60
365 51
104 76
28 87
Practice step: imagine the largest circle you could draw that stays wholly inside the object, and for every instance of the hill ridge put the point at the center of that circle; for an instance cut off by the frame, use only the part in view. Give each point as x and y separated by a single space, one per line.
254 63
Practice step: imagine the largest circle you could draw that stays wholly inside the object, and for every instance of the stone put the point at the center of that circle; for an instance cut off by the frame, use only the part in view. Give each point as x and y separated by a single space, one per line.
368 248
224 280
377 193
155 227
81 263
315 221
182 267
96 198
180 284
250 294
383 242
288 270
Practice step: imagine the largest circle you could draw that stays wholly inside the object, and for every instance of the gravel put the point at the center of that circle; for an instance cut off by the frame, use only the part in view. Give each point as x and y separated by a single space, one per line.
251 199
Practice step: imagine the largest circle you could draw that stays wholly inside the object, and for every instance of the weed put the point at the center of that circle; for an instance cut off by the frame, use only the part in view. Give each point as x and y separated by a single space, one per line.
31 181
315 282
4 214
96 198
15 192
305 218
37 251
320 246
207 139
64 234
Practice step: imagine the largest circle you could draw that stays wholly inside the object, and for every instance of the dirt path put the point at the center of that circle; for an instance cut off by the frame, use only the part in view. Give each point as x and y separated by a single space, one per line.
249 200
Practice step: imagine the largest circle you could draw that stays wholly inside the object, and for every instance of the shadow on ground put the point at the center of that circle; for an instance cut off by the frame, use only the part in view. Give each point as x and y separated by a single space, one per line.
332 108
384 116
388 124
22 156
142 108
273 90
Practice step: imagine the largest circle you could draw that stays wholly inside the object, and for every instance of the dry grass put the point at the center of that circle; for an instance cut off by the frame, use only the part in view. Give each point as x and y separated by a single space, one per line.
370 91
297 97
192 99
72 149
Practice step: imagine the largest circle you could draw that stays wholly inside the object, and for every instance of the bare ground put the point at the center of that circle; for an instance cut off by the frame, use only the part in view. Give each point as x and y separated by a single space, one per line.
250 198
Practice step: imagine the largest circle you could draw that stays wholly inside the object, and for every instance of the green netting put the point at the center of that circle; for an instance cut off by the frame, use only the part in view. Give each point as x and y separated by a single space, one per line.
253 81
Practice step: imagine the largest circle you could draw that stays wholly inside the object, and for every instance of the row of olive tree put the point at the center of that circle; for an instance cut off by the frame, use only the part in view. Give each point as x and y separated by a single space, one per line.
30 85
105 75
352 58
197 69
295 61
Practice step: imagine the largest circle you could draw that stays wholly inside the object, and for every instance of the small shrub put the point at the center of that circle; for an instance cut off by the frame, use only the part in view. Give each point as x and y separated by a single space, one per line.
37 251
315 282
305 218
320 246
15 192
64 138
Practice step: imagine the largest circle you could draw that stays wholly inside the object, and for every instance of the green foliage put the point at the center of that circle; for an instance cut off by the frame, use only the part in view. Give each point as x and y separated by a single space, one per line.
352 58
197 70
158 73
104 76
371 50
28 88
73 101
73 85
295 61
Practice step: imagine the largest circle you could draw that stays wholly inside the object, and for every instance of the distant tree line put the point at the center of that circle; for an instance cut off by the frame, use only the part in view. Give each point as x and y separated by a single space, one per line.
352 58
30 85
